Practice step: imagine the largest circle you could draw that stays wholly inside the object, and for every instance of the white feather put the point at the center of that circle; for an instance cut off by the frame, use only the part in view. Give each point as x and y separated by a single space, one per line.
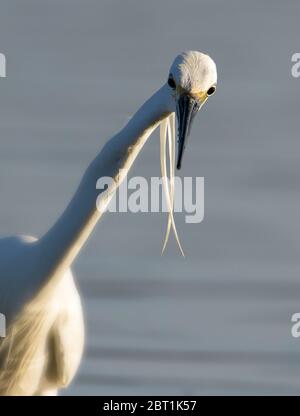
167 133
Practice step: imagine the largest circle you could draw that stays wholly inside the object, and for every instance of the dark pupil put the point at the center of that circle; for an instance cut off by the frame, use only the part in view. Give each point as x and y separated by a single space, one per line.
171 83
211 90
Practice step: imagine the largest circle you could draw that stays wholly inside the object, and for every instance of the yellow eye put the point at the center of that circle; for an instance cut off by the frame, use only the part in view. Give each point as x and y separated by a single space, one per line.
211 91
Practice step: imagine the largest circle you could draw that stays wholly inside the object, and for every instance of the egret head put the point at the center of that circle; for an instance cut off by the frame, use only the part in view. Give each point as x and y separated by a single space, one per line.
192 79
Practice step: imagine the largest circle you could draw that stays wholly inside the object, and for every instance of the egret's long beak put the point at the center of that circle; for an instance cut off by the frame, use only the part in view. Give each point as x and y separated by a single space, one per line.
186 109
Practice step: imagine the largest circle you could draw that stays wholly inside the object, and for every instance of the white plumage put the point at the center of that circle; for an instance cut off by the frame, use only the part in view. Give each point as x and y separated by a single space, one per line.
45 336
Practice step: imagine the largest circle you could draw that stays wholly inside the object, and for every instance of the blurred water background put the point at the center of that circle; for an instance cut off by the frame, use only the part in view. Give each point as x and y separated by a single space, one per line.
217 322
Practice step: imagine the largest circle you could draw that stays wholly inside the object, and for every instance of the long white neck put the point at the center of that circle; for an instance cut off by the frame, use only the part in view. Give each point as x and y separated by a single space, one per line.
58 248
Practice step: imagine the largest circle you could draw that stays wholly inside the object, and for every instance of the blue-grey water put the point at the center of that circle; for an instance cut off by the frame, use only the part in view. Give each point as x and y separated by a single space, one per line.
219 321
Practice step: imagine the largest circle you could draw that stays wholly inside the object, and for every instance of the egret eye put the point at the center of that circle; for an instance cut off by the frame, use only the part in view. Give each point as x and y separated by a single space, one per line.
171 83
211 91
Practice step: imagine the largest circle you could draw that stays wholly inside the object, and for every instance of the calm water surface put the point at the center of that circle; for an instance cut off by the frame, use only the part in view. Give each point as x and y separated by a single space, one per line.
217 322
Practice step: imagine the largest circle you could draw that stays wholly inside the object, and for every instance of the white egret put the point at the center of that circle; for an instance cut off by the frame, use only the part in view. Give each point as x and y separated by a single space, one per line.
38 295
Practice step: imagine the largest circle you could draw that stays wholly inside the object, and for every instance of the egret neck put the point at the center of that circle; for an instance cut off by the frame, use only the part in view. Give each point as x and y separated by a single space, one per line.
61 244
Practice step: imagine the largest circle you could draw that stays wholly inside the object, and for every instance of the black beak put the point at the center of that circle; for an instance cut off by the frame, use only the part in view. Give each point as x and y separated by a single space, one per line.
187 108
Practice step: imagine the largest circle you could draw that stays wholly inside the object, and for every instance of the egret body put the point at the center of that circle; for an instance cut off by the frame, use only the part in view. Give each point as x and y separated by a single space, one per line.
45 332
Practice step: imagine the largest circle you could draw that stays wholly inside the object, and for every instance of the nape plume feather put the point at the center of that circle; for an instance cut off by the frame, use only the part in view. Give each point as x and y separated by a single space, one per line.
167 134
